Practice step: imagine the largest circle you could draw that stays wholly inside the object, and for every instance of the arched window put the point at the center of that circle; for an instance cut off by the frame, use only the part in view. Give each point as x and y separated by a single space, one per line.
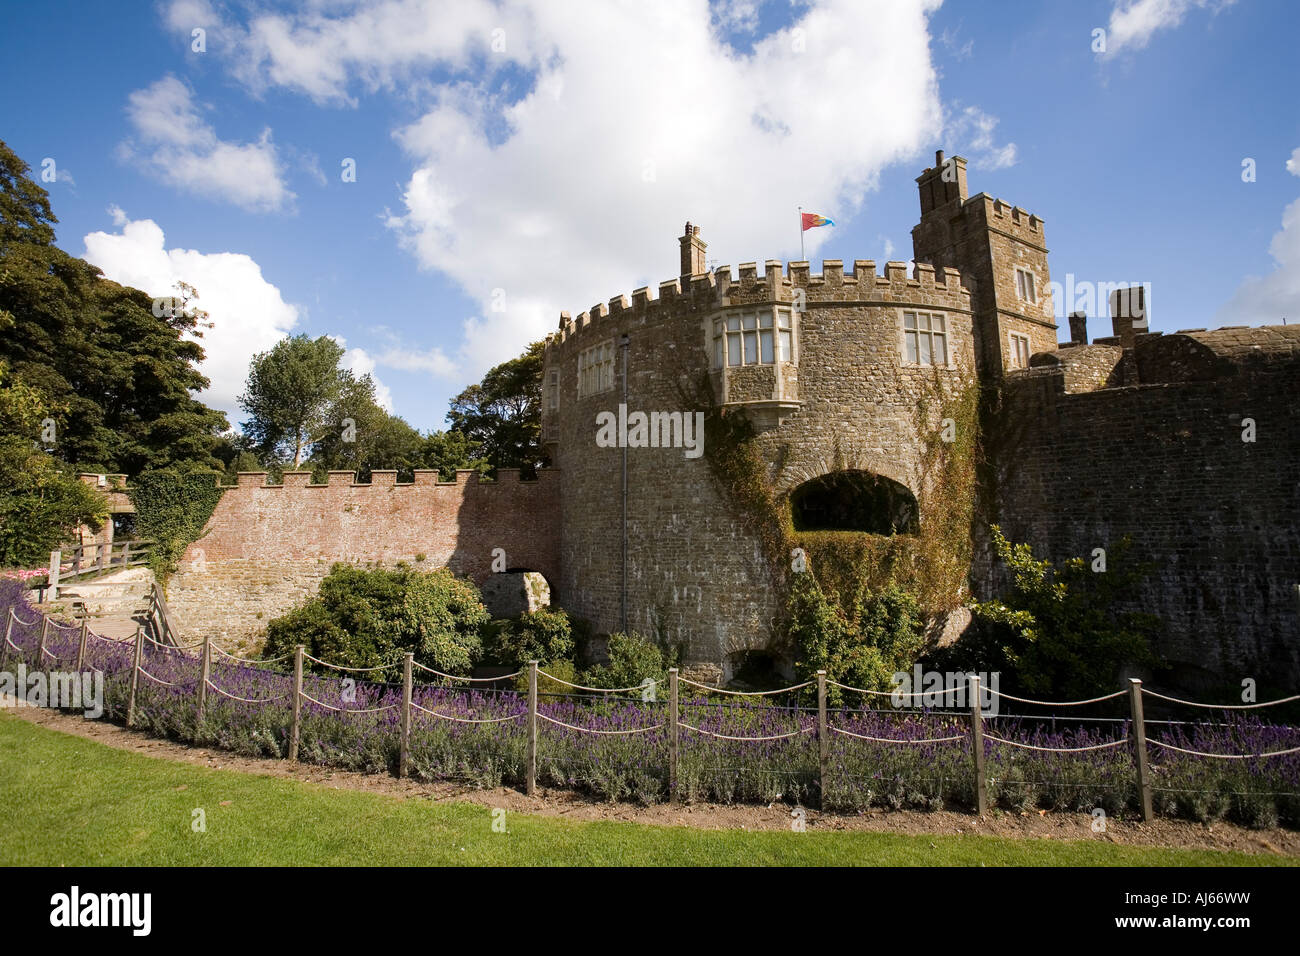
854 501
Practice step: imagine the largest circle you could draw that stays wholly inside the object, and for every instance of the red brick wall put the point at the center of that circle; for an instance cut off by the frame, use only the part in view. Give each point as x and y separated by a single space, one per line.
454 524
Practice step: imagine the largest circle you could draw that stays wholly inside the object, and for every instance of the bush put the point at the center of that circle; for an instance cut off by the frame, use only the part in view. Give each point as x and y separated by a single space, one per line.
632 658
884 635
544 635
1059 630
563 670
373 617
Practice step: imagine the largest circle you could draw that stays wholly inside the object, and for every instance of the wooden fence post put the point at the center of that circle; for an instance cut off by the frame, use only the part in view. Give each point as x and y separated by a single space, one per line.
81 645
135 675
531 787
9 633
1140 746
977 747
297 702
404 755
205 674
674 735
40 647
823 742
52 583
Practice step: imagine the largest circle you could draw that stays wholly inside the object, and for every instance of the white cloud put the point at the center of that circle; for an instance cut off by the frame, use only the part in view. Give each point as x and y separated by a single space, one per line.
248 313
432 361
1265 300
359 362
585 196
576 191
738 15
175 143
1133 22
380 45
970 131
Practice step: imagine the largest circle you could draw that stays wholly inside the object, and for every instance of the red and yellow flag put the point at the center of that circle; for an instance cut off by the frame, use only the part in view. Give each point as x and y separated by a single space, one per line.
811 221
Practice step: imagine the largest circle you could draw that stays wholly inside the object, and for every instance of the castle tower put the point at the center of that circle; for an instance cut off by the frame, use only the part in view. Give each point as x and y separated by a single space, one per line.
1000 250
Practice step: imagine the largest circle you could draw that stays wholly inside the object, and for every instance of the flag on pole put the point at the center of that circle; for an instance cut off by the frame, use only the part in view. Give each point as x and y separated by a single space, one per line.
811 221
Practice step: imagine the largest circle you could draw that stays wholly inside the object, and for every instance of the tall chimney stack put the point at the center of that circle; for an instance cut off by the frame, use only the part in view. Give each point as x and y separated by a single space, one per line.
1128 314
692 252
942 183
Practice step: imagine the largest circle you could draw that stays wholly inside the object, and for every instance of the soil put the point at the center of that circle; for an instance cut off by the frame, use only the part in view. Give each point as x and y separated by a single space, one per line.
1180 834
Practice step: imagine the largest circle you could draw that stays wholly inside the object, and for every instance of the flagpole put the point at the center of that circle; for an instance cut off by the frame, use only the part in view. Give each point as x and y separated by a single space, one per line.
801 233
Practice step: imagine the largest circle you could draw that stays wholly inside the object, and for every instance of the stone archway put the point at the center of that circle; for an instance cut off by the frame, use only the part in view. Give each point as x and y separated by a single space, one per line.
854 500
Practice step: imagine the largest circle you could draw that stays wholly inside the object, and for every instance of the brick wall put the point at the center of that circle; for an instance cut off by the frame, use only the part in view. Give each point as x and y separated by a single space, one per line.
267 547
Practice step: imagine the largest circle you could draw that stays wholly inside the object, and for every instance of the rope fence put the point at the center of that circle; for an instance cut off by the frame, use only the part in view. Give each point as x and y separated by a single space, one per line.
822 728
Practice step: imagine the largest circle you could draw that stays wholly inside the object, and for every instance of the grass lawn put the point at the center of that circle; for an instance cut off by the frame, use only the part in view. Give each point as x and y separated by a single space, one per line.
66 800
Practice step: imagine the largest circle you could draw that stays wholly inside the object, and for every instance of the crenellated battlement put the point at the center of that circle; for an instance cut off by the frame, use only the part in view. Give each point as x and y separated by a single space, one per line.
721 288
1003 215
424 478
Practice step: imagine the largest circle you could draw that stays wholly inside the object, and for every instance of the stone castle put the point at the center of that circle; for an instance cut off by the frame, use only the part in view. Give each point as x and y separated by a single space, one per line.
1188 442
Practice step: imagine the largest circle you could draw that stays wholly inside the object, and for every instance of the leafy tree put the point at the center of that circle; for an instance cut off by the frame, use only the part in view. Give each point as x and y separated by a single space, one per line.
371 617
503 413
358 435
290 393
450 451
119 379
1059 631
41 504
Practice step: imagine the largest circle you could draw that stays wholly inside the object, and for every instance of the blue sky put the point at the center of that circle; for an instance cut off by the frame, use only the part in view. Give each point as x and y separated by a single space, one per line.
513 160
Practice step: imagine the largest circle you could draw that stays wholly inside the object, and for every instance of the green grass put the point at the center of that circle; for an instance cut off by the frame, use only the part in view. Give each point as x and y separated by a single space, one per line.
67 800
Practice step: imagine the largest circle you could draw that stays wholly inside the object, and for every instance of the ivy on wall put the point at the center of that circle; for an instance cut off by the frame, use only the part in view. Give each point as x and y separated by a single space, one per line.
898 576
173 510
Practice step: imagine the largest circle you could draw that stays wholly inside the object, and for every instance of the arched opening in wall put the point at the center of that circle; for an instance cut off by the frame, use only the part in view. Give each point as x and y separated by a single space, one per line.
854 501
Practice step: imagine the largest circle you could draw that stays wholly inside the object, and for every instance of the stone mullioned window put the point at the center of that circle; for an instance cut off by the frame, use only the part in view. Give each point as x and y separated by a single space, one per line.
596 369
925 339
762 336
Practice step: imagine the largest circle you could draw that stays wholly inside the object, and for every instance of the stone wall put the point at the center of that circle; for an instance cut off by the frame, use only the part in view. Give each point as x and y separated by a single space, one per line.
696 573
266 547
1164 461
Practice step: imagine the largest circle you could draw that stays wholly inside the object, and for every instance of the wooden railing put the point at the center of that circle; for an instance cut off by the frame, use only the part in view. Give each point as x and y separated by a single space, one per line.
160 617
91 561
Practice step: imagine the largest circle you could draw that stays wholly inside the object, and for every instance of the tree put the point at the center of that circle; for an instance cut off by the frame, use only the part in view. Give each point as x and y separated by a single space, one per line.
41 505
503 413
290 393
451 451
359 436
119 379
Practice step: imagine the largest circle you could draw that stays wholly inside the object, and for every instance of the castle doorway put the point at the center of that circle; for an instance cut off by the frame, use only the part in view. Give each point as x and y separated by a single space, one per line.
854 501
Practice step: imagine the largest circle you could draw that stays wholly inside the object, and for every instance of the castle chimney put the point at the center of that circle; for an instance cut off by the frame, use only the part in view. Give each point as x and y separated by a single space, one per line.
692 252
943 183
1079 328
1128 314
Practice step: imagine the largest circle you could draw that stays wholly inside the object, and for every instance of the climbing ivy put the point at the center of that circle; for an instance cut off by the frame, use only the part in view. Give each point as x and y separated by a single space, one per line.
848 571
173 509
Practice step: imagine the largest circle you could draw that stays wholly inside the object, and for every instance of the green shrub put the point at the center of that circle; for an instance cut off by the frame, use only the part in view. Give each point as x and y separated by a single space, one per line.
1059 631
545 635
883 635
632 658
564 670
370 617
